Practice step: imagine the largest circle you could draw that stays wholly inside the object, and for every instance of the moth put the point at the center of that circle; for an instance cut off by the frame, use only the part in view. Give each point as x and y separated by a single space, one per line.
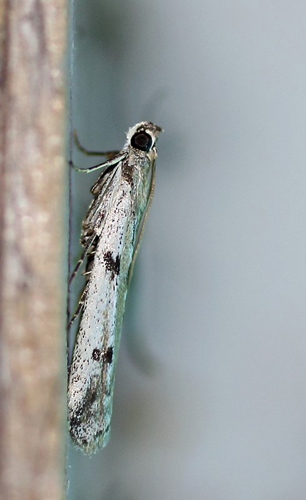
110 236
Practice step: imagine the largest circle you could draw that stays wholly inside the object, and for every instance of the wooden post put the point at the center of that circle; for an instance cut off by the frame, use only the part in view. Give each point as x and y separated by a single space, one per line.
32 214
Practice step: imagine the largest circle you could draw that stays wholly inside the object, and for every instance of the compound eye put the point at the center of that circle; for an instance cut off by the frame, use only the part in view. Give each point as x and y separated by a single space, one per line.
142 141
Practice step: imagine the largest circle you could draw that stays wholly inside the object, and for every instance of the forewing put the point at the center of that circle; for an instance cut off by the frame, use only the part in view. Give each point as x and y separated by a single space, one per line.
91 380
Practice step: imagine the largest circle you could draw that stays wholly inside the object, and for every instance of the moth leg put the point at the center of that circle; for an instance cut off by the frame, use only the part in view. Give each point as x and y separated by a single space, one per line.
142 223
79 306
81 148
81 259
104 166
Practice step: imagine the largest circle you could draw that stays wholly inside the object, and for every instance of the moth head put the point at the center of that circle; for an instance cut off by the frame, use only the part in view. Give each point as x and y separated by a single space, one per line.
143 137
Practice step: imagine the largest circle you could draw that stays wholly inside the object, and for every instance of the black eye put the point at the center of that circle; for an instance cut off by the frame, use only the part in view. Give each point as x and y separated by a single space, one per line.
141 141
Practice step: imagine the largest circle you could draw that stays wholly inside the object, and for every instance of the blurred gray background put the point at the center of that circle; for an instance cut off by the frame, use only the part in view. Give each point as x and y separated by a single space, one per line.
210 396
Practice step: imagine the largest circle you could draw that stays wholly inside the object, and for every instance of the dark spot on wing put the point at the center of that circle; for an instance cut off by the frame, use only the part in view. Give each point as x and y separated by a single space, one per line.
108 356
111 264
96 355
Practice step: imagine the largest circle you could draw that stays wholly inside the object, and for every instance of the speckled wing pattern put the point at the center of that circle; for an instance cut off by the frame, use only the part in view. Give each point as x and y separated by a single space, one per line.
110 232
